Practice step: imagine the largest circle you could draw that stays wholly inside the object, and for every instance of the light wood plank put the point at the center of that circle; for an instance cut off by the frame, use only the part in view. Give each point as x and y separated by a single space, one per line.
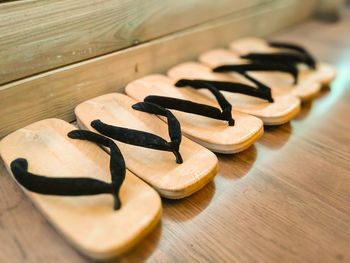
56 93
37 36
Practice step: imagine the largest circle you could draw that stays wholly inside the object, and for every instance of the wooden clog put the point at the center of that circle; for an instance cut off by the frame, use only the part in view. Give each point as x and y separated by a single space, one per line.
281 83
158 168
88 222
324 72
281 110
214 134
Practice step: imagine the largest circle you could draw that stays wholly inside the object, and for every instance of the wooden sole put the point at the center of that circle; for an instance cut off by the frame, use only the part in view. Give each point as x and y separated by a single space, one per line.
214 134
324 73
241 147
158 168
88 222
282 110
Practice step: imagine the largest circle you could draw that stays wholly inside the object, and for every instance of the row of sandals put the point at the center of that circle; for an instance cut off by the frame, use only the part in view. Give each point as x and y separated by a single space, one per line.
105 201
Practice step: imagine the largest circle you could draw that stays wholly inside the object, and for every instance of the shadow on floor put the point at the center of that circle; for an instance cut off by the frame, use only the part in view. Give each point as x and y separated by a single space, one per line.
189 207
144 249
235 166
276 136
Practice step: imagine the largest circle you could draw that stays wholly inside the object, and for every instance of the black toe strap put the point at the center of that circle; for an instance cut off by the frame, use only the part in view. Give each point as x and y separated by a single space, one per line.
296 48
197 108
64 186
243 68
280 58
174 127
225 106
146 139
262 91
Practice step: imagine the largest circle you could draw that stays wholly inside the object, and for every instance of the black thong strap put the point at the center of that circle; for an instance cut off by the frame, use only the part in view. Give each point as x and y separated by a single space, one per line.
280 58
295 48
75 186
243 68
146 139
225 113
262 91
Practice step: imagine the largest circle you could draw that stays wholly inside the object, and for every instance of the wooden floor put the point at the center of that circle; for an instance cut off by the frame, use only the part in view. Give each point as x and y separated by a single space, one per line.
285 199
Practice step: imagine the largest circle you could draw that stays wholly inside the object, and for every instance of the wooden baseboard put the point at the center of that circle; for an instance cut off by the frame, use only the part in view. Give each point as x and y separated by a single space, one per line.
57 92
38 36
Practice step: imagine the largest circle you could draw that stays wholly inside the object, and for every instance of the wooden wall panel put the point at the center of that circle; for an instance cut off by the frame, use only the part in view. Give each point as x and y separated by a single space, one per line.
56 93
37 36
